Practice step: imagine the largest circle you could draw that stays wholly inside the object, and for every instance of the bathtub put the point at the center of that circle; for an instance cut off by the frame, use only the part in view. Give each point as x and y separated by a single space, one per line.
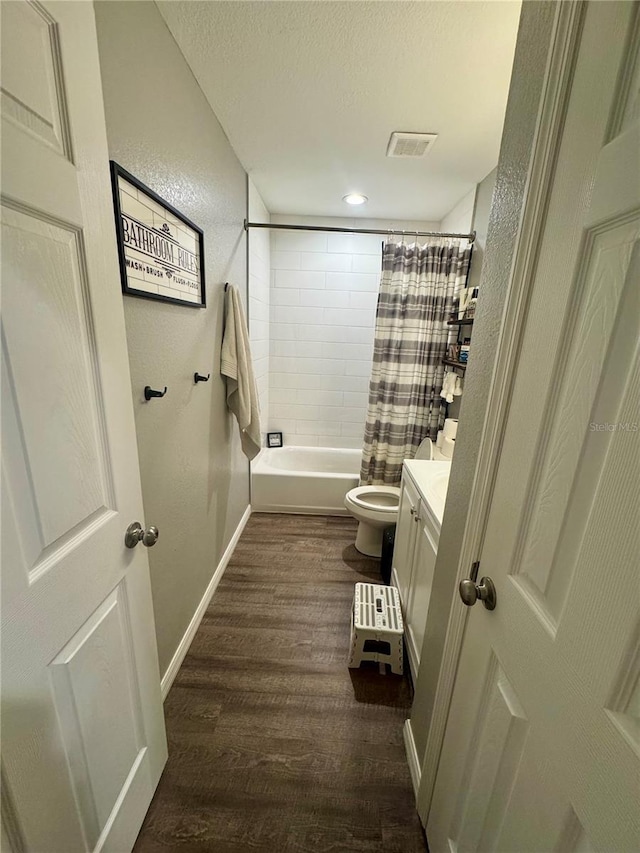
303 479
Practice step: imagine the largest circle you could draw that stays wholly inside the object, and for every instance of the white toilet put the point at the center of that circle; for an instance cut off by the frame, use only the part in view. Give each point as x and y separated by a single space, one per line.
376 507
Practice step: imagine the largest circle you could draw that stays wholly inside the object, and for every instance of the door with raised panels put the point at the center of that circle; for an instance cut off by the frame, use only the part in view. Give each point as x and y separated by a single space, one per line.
82 723
542 746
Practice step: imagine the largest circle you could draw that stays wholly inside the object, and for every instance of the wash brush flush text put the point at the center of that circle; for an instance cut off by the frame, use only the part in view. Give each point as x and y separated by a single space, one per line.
161 251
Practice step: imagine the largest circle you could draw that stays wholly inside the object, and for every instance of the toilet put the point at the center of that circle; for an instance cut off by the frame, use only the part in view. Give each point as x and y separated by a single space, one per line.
376 507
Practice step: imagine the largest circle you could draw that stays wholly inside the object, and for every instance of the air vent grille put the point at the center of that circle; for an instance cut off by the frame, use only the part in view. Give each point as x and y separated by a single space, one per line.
410 144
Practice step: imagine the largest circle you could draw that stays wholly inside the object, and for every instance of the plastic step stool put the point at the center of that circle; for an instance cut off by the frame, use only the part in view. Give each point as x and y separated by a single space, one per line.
376 626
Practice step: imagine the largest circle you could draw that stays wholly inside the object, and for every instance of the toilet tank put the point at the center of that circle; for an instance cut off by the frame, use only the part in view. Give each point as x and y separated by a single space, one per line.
425 449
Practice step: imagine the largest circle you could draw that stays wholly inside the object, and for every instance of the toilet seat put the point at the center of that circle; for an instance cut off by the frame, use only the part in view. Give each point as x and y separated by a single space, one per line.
378 499
376 508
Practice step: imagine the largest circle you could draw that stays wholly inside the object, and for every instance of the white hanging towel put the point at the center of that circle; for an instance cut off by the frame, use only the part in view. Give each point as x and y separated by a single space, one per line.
237 368
448 385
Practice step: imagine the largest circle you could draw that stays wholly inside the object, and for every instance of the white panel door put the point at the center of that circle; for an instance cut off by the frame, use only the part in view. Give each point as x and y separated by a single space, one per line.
542 746
82 723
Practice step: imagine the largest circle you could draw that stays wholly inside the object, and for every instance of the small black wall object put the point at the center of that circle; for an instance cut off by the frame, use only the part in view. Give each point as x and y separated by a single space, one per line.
274 439
197 378
149 392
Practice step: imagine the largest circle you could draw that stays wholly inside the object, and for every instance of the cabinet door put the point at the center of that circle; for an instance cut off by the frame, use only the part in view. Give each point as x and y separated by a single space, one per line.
405 538
420 588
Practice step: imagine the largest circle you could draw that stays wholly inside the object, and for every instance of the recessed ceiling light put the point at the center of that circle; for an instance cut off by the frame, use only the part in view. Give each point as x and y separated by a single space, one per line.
355 198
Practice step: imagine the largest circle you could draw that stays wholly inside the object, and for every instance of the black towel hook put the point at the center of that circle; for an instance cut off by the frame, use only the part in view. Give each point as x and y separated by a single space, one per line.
197 378
149 392
226 286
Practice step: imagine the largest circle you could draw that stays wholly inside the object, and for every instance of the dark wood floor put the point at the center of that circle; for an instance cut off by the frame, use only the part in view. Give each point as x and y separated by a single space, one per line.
274 744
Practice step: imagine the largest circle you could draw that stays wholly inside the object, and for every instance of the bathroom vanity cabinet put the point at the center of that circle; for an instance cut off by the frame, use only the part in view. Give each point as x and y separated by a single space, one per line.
422 496
406 531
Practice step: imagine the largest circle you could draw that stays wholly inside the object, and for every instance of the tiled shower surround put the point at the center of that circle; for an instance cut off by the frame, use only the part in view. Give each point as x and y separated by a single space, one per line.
324 288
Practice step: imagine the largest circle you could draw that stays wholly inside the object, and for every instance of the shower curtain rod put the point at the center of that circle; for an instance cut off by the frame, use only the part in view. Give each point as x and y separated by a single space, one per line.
281 227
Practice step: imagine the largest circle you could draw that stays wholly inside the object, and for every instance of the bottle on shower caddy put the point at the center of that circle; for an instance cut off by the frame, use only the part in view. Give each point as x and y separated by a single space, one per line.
470 311
464 350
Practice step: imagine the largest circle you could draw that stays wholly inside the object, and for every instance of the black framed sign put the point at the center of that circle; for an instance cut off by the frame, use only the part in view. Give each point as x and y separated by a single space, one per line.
274 439
161 251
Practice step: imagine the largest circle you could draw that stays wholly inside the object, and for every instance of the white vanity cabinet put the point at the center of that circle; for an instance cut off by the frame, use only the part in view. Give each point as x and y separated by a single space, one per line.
406 530
424 561
416 546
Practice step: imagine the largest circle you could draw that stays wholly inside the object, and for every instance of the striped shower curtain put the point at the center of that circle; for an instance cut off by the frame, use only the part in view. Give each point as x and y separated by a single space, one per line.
416 297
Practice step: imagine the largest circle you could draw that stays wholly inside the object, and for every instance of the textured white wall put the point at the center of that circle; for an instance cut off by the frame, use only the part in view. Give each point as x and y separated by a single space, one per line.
479 223
459 219
259 299
195 480
324 289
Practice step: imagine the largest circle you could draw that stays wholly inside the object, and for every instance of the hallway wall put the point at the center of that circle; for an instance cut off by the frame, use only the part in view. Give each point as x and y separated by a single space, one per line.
194 477
509 195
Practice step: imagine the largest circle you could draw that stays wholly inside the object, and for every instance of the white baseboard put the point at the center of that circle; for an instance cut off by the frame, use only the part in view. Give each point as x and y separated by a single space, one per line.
412 756
288 509
189 634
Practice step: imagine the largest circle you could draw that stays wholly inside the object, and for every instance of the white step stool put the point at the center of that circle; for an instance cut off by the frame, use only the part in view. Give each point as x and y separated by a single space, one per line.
376 616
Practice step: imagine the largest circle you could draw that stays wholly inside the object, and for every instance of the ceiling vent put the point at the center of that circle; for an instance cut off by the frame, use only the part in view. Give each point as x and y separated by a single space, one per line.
410 144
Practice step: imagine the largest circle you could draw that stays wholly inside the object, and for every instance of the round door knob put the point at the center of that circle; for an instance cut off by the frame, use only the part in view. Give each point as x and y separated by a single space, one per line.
470 592
136 533
150 536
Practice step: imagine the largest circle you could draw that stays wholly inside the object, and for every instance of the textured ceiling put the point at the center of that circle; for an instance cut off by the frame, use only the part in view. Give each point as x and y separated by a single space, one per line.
309 92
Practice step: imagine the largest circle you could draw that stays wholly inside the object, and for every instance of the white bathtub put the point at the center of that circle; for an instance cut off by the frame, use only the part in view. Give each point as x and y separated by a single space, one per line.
303 479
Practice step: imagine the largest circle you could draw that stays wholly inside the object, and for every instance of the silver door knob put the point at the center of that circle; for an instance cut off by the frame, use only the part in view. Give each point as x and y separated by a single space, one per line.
485 591
136 533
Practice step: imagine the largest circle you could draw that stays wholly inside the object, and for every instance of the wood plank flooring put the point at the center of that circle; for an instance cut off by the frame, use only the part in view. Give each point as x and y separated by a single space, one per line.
274 744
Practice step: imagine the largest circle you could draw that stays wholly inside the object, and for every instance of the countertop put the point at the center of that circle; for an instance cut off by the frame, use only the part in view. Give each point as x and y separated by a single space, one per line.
432 480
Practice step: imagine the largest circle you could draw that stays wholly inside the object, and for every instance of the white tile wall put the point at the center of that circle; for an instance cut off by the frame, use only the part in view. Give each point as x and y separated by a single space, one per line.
324 290
259 300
